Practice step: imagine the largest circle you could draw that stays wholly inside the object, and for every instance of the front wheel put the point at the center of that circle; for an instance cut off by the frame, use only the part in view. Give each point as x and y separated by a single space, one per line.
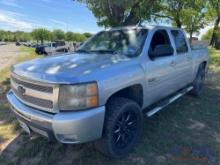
122 128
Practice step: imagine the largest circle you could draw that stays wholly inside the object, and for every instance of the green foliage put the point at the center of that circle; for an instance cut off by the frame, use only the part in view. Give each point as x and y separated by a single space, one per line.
214 14
70 36
171 10
58 34
41 34
79 37
9 36
193 16
213 9
87 35
207 35
119 13
187 14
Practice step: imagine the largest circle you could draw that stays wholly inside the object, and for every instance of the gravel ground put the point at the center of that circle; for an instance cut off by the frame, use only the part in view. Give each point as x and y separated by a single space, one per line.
8 54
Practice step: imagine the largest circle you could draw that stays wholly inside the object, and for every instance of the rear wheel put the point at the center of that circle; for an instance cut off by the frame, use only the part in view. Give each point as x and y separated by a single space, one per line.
199 81
122 128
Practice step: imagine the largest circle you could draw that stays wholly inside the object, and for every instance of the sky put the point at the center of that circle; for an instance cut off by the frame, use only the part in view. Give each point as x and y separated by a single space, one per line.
26 15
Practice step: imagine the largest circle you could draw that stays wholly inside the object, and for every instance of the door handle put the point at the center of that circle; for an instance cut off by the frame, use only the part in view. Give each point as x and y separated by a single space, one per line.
172 63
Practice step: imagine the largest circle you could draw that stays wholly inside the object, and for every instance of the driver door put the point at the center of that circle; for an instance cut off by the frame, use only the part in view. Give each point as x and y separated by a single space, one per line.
160 70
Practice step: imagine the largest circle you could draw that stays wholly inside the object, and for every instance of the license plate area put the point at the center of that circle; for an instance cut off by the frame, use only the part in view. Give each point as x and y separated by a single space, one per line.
24 127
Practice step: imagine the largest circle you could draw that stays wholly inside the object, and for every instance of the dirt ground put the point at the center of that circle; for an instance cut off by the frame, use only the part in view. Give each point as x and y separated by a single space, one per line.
8 54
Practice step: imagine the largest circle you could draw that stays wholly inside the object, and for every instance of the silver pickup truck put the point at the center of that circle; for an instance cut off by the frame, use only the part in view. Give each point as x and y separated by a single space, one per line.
101 92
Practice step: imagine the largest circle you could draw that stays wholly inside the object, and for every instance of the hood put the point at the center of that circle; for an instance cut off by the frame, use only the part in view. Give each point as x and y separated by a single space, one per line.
66 68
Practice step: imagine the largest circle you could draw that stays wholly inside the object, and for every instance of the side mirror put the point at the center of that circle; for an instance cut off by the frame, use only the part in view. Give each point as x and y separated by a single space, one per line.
161 51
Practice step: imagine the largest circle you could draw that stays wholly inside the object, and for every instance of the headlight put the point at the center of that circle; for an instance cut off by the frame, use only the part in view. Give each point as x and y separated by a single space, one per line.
78 97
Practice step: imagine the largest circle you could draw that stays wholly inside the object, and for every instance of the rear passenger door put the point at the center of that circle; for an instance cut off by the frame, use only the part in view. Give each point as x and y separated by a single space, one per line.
183 60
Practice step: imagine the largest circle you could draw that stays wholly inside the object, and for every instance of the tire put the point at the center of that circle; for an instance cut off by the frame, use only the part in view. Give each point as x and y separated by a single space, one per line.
122 128
198 83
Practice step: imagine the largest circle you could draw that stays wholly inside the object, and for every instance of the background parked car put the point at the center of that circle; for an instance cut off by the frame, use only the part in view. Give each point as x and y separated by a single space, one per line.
40 49
18 43
2 43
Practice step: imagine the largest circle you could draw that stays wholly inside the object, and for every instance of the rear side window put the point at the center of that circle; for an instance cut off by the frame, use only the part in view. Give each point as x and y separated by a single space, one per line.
180 41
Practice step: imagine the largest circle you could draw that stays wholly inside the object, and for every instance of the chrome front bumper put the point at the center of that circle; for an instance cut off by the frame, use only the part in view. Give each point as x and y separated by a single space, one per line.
65 127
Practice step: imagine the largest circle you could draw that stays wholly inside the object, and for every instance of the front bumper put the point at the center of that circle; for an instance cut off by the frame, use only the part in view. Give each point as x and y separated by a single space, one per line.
65 127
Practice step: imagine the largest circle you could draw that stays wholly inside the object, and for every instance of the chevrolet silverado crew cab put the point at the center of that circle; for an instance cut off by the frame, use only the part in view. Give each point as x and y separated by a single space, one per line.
101 92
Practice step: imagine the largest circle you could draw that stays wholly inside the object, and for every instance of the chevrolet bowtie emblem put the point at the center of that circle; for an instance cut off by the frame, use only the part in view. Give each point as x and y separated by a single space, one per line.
21 90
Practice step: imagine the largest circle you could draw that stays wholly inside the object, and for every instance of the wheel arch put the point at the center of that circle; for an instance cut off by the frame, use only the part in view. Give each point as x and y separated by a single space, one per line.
133 92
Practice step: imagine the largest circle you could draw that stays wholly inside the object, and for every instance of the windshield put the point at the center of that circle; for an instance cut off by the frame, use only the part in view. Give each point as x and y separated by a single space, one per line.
128 42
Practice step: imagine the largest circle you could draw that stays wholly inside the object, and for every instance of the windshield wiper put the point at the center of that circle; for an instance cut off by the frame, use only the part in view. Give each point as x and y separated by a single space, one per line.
105 51
82 51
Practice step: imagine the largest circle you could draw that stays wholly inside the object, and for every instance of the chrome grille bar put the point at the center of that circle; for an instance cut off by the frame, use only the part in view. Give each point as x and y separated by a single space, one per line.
32 92
37 87
35 94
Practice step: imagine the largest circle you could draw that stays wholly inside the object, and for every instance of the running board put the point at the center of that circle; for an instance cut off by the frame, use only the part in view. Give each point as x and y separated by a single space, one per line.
169 101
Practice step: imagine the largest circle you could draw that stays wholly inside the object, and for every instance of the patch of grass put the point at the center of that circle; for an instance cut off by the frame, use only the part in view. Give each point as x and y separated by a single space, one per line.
8 124
29 54
26 54
214 63
8 130
185 133
4 73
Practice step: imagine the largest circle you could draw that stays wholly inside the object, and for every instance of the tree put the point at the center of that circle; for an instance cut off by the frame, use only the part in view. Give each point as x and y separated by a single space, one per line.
51 36
78 37
14 36
59 34
40 34
187 14
111 13
87 35
172 10
214 13
2 35
207 35
69 36
193 18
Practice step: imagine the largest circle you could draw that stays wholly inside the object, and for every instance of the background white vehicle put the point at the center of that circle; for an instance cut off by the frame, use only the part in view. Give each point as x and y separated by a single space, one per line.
58 47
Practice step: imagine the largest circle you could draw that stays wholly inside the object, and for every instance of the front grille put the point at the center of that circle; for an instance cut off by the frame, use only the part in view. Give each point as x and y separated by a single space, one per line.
33 86
36 95
33 100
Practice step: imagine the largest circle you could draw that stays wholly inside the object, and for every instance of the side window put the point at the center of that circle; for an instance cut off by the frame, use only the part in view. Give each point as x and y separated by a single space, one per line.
160 45
180 41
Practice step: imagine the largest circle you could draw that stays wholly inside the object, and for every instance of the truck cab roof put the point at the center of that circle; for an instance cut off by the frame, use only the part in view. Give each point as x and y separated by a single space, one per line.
149 27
